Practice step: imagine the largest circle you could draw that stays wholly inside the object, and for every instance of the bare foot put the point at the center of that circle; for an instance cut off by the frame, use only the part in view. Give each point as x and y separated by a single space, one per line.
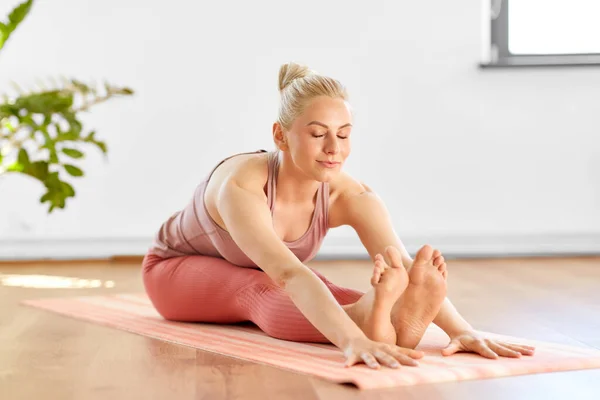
372 312
422 299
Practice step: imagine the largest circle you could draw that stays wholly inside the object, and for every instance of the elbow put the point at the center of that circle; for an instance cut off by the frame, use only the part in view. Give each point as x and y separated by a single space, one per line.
285 277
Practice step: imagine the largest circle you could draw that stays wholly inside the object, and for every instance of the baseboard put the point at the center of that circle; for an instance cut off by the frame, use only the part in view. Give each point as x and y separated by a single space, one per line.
481 246
349 247
71 248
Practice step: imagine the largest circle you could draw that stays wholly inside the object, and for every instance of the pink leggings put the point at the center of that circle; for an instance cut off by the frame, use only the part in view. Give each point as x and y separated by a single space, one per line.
209 289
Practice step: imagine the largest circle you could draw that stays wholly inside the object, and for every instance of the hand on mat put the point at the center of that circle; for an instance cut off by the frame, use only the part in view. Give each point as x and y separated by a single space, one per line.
473 342
373 354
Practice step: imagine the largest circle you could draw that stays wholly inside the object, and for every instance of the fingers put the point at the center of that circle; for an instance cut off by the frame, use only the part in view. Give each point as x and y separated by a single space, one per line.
511 350
405 359
416 354
489 348
387 359
364 357
393 359
400 355
503 350
482 348
370 360
351 359
452 348
389 356
524 350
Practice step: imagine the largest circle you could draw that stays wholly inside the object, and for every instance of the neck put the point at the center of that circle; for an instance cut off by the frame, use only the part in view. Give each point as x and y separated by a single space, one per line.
293 186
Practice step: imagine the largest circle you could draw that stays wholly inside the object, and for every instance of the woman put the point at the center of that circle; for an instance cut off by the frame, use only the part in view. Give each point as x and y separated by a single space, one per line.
237 251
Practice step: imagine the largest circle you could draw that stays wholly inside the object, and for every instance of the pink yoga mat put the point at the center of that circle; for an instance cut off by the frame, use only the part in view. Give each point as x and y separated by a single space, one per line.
134 313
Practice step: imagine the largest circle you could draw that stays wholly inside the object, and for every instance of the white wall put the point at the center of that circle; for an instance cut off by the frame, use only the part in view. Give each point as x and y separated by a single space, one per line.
473 161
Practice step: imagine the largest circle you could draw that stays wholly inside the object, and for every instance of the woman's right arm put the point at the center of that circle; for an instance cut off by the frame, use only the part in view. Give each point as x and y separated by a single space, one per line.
248 221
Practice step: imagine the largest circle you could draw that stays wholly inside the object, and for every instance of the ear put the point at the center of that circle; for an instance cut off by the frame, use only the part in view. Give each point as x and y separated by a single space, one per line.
279 137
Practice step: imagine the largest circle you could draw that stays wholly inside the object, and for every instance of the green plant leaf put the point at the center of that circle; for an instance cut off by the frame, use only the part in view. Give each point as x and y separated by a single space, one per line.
74 153
56 107
6 124
101 146
57 192
23 157
91 139
7 110
4 33
73 170
82 87
15 167
38 170
55 198
19 13
53 101
16 16
67 136
67 189
50 144
53 157
75 125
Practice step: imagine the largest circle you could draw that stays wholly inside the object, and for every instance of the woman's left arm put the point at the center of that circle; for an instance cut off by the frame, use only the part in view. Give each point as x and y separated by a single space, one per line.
362 209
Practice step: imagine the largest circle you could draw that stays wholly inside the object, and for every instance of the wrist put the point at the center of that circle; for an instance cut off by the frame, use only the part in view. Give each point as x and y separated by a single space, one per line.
459 329
347 340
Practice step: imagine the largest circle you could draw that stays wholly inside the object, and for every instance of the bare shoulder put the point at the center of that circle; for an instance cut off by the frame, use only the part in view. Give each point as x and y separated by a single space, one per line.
344 192
249 171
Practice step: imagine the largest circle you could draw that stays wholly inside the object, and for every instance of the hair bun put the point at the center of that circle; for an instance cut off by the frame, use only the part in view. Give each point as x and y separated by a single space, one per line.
291 71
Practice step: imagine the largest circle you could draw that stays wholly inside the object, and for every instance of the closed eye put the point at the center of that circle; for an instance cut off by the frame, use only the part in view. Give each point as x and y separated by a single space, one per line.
320 136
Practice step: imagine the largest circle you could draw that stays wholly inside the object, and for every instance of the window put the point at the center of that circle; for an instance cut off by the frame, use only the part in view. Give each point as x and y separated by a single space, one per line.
541 32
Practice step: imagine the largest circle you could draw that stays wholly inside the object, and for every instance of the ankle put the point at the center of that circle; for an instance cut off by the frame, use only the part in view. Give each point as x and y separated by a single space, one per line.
355 313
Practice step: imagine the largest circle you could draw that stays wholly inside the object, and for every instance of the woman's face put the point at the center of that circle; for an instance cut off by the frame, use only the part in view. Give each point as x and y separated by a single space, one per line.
319 139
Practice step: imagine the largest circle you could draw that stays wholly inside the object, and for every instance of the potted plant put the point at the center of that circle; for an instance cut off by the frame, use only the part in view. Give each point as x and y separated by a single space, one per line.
41 135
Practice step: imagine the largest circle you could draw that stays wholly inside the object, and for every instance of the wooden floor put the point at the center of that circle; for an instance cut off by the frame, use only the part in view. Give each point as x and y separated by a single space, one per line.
47 356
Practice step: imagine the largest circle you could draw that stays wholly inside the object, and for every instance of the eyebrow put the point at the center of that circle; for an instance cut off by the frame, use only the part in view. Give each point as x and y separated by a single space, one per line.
325 126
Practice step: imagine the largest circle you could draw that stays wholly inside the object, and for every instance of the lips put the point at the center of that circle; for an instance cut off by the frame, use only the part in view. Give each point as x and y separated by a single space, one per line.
329 164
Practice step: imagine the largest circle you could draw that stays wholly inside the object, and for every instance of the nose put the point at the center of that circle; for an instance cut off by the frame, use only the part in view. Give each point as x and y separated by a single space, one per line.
332 146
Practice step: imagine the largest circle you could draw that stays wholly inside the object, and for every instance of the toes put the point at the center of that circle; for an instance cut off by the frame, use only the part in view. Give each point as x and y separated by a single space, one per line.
438 261
382 263
394 256
436 253
377 271
444 270
424 254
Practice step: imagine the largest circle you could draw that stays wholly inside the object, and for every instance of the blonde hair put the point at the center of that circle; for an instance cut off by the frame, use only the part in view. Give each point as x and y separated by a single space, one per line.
298 85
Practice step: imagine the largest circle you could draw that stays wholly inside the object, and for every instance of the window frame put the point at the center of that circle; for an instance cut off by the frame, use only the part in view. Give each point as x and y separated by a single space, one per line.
500 56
